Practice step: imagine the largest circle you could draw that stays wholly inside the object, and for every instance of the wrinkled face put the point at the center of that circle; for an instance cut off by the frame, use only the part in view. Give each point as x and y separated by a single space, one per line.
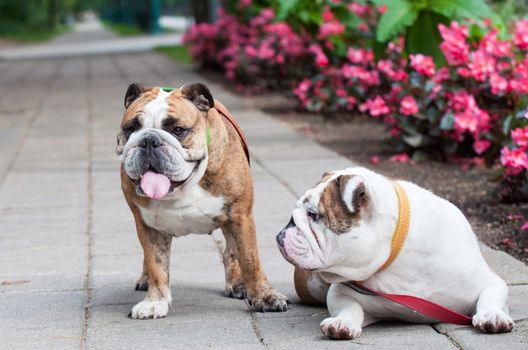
162 141
329 225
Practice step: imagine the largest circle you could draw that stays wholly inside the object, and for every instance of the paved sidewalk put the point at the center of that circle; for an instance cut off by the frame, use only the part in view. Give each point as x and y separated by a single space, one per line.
69 255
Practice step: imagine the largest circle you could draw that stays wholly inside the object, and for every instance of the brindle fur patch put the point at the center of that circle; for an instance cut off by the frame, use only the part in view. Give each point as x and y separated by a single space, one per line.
334 210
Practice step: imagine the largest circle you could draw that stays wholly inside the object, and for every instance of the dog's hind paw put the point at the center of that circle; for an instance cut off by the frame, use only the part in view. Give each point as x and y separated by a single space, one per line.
340 328
495 321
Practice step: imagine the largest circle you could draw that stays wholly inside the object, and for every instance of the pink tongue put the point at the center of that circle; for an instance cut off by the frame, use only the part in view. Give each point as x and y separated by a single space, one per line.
155 185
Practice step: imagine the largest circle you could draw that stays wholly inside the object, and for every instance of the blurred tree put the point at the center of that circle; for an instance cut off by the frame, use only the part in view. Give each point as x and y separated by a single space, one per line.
201 11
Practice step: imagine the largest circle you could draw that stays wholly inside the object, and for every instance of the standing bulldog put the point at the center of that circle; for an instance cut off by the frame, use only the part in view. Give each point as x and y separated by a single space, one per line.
343 229
184 170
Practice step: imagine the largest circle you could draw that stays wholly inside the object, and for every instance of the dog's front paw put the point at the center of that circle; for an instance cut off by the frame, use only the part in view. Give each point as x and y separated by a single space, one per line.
149 309
340 328
270 300
237 291
495 321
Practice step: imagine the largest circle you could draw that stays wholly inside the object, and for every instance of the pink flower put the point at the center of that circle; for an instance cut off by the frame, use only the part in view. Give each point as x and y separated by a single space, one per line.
454 46
340 92
465 121
330 29
369 78
468 116
494 46
400 158
524 226
520 136
374 160
321 59
498 84
382 9
515 160
394 132
408 106
244 3
423 64
481 65
441 75
480 146
358 9
375 106
301 91
328 15
520 36
360 56
351 102
363 27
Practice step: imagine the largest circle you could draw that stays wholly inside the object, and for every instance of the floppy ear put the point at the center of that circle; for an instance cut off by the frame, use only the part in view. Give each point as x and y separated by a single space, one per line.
121 141
200 95
133 92
353 192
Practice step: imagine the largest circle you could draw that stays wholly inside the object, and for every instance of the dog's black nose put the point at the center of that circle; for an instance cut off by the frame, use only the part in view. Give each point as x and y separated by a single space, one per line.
290 223
280 237
150 140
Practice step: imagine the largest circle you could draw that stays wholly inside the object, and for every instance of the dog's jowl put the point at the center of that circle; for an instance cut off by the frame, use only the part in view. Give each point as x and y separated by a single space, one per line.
184 170
389 237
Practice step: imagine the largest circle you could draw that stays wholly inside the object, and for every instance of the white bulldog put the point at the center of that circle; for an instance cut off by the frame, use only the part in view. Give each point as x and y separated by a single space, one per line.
342 230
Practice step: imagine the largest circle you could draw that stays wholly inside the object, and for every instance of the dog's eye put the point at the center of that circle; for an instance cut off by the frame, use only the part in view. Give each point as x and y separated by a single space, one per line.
131 127
313 215
179 131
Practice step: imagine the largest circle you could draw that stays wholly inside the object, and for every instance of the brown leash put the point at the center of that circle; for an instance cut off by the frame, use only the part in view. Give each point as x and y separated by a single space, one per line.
225 113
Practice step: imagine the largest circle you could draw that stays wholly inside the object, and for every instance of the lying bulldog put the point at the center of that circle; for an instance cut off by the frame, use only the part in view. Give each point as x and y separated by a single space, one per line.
342 230
184 170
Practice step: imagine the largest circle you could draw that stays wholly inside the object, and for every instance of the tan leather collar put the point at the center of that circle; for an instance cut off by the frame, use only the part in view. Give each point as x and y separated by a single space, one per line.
402 225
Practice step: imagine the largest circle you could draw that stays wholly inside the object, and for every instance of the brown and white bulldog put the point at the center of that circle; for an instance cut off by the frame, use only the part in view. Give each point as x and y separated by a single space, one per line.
184 170
390 237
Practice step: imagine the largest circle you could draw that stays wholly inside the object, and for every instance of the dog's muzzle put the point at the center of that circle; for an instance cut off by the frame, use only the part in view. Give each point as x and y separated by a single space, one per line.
282 233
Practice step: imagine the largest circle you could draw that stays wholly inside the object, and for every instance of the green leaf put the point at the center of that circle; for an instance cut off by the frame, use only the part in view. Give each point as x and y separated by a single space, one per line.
399 14
455 9
420 156
414 140
379 49
423 36
506 124
447 122
285 7
450 146
345 16
381 2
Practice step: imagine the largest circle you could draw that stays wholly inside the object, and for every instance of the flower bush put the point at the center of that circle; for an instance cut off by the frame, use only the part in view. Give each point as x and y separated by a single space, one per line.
466 101
258 54
514 160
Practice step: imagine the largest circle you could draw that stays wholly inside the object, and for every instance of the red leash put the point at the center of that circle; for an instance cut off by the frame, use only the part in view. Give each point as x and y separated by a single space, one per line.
425 307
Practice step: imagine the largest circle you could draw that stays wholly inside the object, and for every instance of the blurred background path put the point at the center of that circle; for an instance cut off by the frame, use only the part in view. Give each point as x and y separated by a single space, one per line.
89 37
69 256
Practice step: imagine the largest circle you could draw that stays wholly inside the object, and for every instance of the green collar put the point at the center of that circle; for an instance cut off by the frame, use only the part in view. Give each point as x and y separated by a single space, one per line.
207 130
208 135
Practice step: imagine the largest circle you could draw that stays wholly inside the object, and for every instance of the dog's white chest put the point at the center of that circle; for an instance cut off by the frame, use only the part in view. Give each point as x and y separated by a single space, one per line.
194 212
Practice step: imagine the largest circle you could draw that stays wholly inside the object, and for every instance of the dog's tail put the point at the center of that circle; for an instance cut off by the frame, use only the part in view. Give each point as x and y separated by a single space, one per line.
310 288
